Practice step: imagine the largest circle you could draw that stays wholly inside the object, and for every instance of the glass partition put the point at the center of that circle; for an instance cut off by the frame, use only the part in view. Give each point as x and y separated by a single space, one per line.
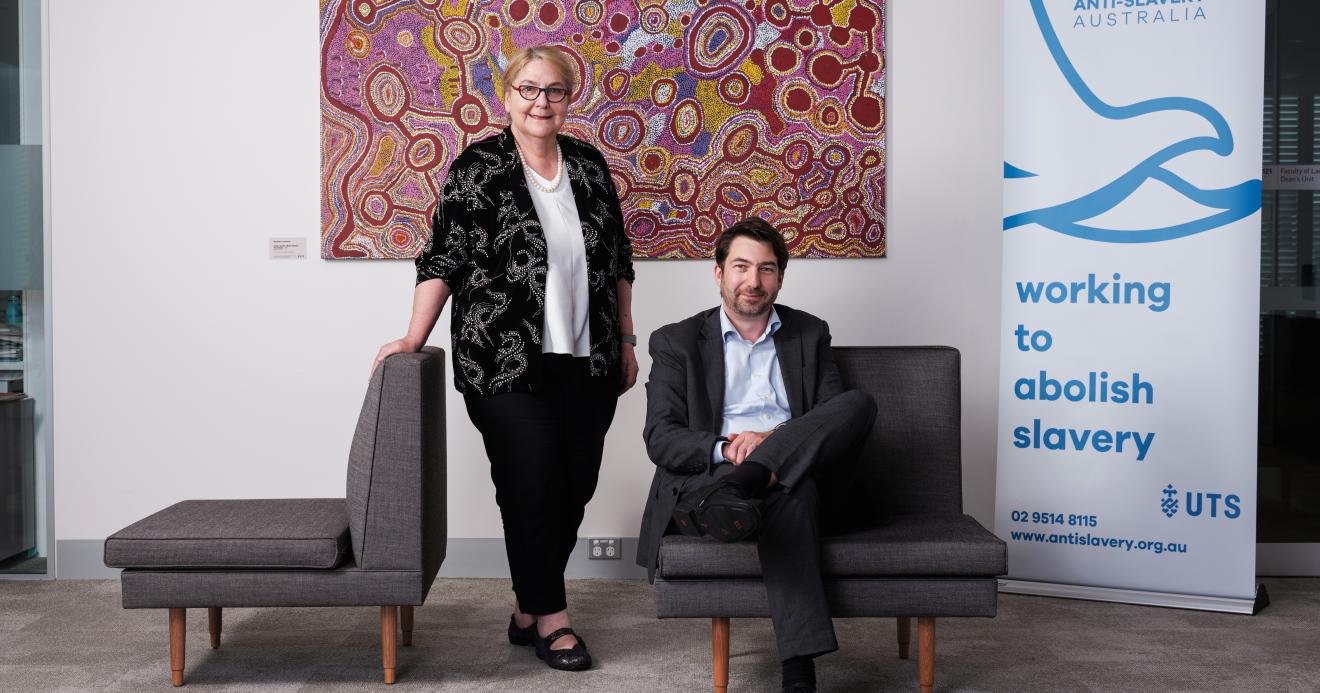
1289 443
24 398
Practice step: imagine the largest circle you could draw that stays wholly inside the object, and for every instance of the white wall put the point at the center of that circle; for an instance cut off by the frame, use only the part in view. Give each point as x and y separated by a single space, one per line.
188 365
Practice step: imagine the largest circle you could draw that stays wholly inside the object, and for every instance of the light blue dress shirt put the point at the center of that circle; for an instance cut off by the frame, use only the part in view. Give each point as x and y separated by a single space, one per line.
755 398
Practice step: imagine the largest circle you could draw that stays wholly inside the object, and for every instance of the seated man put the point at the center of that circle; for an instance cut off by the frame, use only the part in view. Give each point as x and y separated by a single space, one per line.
744 414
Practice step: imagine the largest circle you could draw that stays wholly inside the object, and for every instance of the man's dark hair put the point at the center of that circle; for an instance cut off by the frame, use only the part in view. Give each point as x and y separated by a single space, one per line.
757 229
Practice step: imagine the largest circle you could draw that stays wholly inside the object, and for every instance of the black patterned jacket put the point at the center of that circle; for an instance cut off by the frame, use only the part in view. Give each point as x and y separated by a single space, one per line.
488 246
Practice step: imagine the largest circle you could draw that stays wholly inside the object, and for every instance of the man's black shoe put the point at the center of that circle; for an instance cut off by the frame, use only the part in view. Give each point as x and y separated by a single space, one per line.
721 510
799 687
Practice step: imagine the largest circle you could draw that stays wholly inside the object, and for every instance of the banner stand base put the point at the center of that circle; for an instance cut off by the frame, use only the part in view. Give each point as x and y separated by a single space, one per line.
1108 594
1262 599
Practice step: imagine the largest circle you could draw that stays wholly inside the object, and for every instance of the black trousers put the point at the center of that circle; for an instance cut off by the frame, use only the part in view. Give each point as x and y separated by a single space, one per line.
545 452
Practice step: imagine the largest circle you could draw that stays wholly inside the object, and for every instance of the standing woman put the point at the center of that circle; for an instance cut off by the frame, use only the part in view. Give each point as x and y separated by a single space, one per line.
528 238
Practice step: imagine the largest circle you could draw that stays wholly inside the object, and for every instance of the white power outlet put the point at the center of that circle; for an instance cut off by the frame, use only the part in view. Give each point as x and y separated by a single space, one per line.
604 549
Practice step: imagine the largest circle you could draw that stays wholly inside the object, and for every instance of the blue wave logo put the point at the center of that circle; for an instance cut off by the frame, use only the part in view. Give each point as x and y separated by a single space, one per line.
1231 204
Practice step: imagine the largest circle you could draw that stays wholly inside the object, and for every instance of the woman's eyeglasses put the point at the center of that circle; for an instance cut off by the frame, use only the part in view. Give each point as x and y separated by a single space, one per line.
552 94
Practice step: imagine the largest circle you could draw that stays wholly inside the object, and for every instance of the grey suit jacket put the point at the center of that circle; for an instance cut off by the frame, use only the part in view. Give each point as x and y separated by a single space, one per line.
685 401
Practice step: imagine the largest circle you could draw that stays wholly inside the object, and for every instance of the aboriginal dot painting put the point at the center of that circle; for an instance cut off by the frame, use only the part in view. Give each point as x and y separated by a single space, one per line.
708 112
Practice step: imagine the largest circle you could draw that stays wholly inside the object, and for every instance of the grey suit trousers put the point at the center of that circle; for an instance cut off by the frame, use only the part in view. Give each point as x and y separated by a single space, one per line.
817 446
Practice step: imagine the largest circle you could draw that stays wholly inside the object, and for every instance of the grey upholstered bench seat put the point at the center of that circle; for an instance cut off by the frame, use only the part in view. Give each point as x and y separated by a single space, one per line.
928 560
380 545
926 544
253 533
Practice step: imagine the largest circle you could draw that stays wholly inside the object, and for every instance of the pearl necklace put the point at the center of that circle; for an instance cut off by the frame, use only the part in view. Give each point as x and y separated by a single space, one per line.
535 178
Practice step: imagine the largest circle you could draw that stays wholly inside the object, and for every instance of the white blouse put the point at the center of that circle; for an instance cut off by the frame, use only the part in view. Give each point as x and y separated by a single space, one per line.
566 328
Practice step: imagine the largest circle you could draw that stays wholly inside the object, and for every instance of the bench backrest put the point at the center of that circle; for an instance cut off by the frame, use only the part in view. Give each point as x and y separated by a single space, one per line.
396 468
912 459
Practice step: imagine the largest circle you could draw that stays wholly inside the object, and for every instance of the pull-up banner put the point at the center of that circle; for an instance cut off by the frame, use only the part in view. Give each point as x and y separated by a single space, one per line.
1128 381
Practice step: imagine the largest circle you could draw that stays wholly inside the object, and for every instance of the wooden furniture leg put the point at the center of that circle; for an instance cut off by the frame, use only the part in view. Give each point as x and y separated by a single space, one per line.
178 631
719 638
213 622
904 636
389 628
406 620
926 652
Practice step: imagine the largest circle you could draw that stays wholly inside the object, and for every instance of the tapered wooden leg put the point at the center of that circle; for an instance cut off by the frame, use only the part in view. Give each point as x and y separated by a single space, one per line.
213 622
926 652
178 631
406 620
904 636
719 639
389 627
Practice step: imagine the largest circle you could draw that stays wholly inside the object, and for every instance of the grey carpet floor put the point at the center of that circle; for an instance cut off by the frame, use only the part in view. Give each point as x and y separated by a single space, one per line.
73 636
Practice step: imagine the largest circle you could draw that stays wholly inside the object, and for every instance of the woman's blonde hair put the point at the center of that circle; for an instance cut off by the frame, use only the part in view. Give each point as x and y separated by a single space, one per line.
551 54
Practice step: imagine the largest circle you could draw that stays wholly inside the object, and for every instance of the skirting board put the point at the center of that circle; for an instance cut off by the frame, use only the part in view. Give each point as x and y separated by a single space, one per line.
81 559
1288 560
1139 597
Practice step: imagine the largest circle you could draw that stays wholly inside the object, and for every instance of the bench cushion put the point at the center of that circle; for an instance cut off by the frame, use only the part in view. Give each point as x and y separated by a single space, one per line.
264 533
848 597
347 585
945 545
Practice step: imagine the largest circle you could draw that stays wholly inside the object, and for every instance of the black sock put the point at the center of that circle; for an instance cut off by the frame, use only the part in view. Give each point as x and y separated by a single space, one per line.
751 476
799 670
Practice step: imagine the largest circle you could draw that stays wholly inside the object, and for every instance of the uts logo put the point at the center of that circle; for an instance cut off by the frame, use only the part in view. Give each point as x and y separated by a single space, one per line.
1170 502
1202 504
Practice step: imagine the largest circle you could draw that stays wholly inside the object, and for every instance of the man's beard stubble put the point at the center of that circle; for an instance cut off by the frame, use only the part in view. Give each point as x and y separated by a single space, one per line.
767 300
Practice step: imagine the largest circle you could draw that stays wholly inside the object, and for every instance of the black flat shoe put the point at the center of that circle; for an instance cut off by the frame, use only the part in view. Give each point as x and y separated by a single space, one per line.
721 510
799 688
575 658
521 636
